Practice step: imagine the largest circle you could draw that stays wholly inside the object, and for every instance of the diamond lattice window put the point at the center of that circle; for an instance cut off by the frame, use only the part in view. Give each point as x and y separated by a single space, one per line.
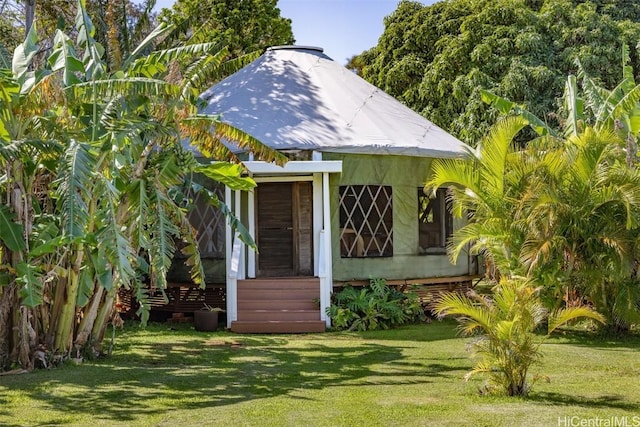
435 223
209 224
366 221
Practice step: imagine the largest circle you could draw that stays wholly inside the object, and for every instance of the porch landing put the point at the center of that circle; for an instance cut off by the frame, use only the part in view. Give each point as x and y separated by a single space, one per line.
278 305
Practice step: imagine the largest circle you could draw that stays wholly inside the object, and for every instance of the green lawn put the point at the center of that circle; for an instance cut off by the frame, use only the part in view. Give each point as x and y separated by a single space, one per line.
174 376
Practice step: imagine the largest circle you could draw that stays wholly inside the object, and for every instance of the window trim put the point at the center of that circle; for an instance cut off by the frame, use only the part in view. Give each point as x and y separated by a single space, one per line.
445 222
366 221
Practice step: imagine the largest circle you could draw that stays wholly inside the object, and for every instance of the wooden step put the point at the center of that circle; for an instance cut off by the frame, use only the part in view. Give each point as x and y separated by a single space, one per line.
269 304
278 315
311 283
277 327
280 295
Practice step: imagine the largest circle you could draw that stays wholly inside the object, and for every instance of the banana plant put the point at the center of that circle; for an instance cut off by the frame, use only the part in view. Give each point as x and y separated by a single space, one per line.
95 159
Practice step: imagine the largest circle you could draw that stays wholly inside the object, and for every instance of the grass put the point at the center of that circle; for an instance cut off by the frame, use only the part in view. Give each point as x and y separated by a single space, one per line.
167 376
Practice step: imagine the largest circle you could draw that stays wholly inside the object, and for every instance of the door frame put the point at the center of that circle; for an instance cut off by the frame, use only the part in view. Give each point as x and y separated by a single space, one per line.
319 171
317 220
284 229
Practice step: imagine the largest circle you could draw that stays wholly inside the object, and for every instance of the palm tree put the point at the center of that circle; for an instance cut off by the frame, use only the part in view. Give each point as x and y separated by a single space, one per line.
577 219
583 226
507 344
486 185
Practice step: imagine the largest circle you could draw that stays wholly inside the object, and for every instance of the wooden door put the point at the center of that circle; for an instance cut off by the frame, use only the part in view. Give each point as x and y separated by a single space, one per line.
284 218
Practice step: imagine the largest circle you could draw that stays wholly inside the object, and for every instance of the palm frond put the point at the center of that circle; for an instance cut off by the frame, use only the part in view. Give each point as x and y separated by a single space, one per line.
93 65
11 232
229 174
111 235
561 317
22 57
136 193
156 61
154 37
201 72
493 152
63 58
209 134
473 316
31 287
21 147
595 95
573 106
506 107
190 249
124 87
627 104
74 188
162 233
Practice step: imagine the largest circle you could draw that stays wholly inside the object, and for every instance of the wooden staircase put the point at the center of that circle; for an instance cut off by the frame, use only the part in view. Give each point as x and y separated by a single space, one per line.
278 305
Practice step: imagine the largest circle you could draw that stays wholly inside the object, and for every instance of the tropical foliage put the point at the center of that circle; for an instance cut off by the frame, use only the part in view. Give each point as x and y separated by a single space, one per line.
120 24
564 210
504 328
437 58
93 185
377 306
244 26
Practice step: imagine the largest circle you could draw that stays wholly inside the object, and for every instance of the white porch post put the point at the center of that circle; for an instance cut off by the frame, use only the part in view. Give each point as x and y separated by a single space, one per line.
232 289
318 213
251 254
238 212
326 285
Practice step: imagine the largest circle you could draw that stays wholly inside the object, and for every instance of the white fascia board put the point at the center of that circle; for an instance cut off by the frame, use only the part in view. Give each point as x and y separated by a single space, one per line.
292 167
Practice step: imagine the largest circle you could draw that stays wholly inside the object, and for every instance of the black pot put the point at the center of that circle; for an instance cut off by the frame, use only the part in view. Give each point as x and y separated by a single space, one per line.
205 320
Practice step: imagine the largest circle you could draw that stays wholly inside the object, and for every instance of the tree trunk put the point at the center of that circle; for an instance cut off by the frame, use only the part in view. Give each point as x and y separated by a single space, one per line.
64 331
29 14
28 339
56 313
102 321
6 325
88 320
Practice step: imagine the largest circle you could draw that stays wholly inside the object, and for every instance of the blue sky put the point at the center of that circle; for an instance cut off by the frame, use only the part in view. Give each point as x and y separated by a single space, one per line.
342 27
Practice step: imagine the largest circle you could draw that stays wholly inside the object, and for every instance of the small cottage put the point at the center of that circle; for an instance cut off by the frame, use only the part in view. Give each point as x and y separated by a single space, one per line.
346 208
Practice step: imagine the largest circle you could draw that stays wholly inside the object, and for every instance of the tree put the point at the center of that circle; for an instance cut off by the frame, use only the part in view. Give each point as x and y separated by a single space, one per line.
121 25
93 195
245 26
564 210
581 209
583 227
507 322
488 186
437 58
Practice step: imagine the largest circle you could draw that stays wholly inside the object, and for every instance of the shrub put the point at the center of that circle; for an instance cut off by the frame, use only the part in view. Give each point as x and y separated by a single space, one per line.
505 322
377 306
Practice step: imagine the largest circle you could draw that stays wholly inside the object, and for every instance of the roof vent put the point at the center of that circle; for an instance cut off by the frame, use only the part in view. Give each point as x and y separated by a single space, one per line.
294 47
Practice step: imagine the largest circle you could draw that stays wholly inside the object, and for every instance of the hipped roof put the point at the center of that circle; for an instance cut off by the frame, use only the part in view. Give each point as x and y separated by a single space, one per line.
297 98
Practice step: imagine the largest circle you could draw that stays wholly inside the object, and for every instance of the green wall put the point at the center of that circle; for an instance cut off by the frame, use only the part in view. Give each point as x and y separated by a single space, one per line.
405 175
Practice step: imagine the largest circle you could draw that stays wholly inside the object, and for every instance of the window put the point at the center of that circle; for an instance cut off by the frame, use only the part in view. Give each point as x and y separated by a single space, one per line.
209 224
435 223
366 221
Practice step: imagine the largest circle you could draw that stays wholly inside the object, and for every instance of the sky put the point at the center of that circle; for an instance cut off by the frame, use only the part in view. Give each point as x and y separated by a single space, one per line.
343 28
